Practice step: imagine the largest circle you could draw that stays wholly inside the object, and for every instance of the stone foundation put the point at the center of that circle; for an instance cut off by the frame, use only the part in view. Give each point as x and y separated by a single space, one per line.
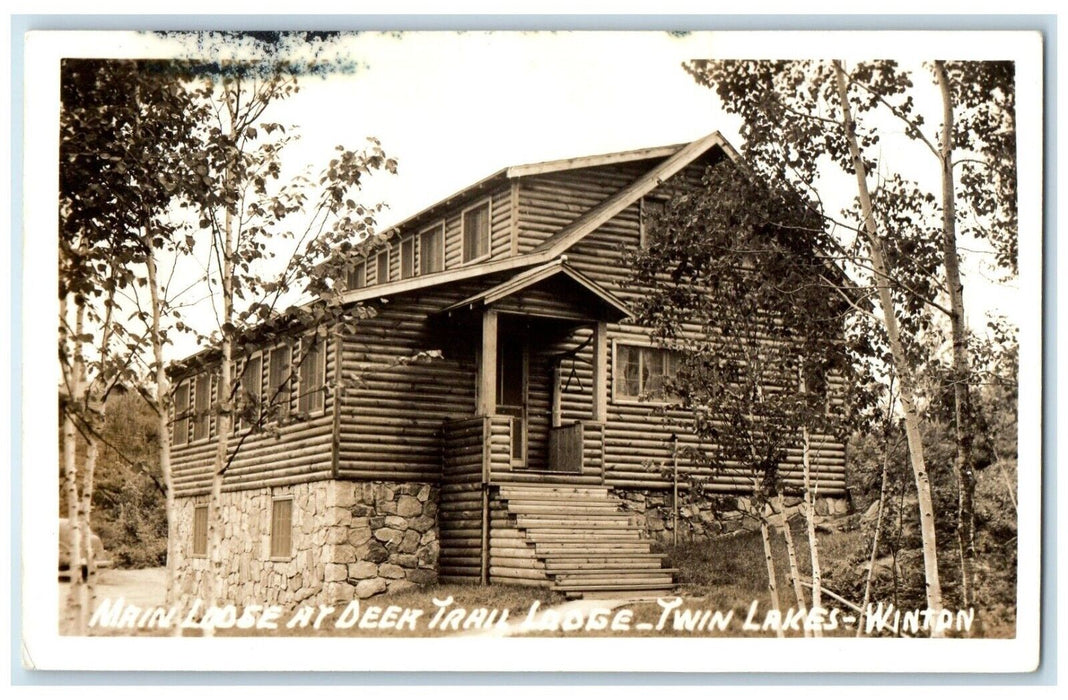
704 517
349 540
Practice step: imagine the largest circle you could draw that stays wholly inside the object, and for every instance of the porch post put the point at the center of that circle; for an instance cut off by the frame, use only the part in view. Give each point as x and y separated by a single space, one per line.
600 372
487 369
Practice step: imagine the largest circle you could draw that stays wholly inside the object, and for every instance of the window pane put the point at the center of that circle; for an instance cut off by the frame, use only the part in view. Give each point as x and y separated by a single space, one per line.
383 267
476 232
200 530
357 276
180 432
407 258
281 528
201 403
251 392
278 383
627 371
312 377
651 212
430 251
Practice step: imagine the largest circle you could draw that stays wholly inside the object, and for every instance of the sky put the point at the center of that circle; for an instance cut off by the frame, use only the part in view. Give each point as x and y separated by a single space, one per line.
454 107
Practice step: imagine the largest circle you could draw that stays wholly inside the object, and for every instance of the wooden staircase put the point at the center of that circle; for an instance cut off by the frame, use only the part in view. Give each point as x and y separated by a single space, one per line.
587 546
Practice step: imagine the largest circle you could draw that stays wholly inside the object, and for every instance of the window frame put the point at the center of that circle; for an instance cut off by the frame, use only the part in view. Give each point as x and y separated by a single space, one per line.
351 277
200 534
239 424
484 202
272 531
620 398
438 228
409 242
643 204
181 415
287 378
378 266
322 344
197 418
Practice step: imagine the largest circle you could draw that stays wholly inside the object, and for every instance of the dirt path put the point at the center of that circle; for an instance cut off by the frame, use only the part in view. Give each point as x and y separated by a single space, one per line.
141 587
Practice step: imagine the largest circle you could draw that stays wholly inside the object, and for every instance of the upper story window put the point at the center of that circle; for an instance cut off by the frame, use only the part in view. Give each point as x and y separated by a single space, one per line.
180 431
651 209
357 276
250 394
278 377
407 258
476 231
382 265
643 372
312 375
201 406
432 250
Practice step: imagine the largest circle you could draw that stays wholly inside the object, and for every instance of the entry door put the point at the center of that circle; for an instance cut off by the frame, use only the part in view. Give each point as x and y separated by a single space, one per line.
512 370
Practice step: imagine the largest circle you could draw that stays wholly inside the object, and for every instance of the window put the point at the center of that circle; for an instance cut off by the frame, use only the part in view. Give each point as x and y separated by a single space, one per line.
642 372
250 393
278 383
180 431
432 250
201 405
476 228
382 263
200 531
407 258
312 376
650 212
282 528
357 276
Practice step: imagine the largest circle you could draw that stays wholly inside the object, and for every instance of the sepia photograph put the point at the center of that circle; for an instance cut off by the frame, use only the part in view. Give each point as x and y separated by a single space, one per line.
506 338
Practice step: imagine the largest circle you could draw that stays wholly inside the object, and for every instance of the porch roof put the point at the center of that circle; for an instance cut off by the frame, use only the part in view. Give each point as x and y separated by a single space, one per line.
613 307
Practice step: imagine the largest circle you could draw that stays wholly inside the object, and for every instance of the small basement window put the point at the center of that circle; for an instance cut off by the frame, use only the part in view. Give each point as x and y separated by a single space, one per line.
282 528
200 531
476 232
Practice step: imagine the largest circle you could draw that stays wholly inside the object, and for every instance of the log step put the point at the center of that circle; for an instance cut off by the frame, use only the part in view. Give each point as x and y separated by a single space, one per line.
562 508
596 548
509 492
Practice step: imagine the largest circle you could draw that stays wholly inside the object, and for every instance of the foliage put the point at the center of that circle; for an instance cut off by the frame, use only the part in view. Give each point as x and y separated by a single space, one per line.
737 286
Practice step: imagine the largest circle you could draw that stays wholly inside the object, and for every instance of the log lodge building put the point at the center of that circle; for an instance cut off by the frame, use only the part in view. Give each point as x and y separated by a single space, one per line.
528 451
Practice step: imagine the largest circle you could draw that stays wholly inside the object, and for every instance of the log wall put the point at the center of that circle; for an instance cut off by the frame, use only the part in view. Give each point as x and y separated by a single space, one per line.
297 451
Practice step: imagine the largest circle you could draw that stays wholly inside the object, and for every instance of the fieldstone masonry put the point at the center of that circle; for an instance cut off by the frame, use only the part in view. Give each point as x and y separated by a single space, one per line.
700 518
349 540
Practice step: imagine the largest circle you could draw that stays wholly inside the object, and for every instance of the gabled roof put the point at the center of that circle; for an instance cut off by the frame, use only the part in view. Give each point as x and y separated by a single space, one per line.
529 278
562 240
675 159
514 172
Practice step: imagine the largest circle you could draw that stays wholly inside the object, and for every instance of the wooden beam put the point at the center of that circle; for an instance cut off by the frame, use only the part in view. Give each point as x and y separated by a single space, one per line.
487 368
600 372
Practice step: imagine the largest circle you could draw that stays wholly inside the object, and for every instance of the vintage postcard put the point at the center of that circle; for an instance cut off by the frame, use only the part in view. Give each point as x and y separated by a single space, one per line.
561 351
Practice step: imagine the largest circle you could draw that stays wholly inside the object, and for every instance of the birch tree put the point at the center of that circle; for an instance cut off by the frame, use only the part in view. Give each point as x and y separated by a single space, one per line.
804 119
124 126
266 239
738 286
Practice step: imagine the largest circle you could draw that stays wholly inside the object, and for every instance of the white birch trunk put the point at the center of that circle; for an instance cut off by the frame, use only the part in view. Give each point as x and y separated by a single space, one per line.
901 366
